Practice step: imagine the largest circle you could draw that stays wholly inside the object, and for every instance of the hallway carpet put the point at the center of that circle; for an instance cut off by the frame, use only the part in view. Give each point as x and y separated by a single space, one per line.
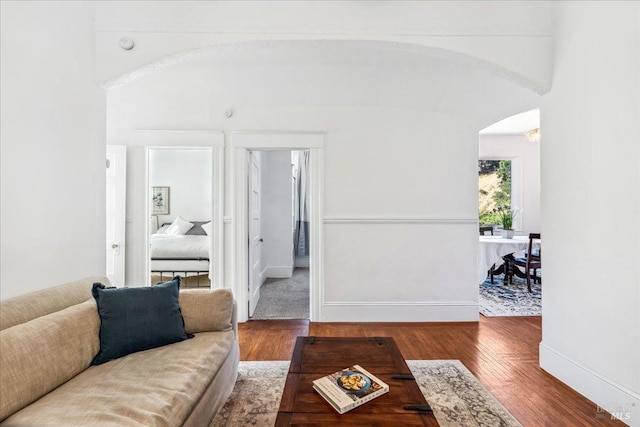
284 298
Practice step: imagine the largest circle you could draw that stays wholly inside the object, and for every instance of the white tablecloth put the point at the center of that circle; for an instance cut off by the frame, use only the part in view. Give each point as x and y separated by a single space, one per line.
493 248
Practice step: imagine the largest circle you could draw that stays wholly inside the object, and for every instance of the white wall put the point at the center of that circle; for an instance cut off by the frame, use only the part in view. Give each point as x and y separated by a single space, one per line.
510 38
277 213
53 147
526 179
187 173
400 158
591 205
410 79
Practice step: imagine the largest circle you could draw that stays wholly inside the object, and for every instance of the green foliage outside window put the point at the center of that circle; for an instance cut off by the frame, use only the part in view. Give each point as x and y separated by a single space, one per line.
501 197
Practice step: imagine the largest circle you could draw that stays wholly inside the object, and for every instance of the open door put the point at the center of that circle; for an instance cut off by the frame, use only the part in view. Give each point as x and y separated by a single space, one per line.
255 238
244 265
115 218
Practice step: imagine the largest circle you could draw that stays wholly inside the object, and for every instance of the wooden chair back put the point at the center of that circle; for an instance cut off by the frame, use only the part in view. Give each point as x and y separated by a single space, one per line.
531 254
486 229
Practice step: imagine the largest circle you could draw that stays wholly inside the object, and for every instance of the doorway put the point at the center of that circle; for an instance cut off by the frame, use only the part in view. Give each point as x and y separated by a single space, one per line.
242 144
278 206
180 206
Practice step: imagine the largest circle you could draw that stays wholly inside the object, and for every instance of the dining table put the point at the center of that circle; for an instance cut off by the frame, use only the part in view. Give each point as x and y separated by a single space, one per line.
495 248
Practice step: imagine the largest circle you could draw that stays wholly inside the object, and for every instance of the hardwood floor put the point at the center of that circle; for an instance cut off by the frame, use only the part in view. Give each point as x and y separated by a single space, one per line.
502 352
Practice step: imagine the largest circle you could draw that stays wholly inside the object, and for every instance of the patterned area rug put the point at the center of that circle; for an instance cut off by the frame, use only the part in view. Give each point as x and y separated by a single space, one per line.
458 399
509 300
284 298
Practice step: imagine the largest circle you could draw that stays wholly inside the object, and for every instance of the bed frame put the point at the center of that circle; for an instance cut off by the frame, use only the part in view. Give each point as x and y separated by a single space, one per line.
186 272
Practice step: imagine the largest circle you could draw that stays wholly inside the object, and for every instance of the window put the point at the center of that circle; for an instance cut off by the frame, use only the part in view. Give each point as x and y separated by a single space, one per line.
494 187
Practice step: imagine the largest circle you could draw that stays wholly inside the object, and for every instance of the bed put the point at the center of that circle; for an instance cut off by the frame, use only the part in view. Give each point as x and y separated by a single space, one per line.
180 255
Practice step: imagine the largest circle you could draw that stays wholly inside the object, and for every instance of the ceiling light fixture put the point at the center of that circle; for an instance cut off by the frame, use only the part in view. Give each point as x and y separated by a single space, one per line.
533 135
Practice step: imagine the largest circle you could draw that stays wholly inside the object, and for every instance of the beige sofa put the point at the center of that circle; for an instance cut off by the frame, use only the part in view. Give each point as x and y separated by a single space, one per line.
49 338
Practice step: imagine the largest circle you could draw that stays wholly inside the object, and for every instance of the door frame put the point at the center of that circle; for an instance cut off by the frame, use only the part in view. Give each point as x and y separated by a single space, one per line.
241 143
252 255
118 276
183 140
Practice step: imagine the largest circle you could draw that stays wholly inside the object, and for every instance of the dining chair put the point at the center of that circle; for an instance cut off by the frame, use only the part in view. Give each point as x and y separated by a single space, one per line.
532 260
488 231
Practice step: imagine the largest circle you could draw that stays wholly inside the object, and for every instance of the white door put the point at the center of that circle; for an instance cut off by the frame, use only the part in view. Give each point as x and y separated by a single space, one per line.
116 198
255 239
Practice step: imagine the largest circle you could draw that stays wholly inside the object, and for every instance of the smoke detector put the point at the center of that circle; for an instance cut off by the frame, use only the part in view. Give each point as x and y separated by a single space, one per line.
126 43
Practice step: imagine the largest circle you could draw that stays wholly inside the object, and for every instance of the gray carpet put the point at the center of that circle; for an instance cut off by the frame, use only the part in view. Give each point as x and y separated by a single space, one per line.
457 397
284 298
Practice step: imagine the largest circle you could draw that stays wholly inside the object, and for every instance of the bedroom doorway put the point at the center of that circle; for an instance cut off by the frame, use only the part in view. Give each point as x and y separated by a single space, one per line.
180 206
278 207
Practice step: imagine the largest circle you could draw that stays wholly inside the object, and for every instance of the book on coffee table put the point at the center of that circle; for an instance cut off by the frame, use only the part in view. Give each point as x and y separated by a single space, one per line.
349 388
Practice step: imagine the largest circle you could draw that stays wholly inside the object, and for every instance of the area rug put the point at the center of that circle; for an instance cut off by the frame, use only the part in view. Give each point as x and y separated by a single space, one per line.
284 298
457 397
514 299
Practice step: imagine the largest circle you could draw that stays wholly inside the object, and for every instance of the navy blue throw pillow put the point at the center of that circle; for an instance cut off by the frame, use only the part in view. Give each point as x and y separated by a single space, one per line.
136 319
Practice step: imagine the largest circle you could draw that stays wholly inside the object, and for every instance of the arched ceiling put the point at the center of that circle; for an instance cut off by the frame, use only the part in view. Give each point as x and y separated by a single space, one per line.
517 124
347 73
513 39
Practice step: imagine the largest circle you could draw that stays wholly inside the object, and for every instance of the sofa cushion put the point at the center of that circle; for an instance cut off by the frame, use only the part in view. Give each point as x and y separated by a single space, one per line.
21 309
39 355
157 387
206 310
136 319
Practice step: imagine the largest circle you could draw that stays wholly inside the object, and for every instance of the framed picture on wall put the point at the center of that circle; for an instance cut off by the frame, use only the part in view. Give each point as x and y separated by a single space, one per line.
159 200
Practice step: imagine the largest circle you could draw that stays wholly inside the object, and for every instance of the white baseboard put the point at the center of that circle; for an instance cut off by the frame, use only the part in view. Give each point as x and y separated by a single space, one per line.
302 262
279 272
427 311
609 396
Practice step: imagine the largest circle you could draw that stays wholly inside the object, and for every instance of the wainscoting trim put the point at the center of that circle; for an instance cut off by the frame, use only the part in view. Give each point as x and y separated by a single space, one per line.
399 220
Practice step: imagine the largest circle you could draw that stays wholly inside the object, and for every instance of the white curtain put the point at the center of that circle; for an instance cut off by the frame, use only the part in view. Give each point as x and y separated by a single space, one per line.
301 206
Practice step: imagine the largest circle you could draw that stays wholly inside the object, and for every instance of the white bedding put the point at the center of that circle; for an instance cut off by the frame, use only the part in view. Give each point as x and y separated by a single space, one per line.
176 247
179 268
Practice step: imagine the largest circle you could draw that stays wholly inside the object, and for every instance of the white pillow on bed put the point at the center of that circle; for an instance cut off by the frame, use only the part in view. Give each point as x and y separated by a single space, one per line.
163 229
207 228
179 227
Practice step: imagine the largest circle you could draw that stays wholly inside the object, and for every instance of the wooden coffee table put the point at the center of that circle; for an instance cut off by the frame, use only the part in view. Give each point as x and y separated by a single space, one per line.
314 357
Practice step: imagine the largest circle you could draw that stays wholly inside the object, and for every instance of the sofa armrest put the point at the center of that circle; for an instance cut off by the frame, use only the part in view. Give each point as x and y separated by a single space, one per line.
207 310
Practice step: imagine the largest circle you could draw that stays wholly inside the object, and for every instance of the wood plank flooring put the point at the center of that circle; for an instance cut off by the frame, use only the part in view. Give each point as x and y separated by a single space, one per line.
502 352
